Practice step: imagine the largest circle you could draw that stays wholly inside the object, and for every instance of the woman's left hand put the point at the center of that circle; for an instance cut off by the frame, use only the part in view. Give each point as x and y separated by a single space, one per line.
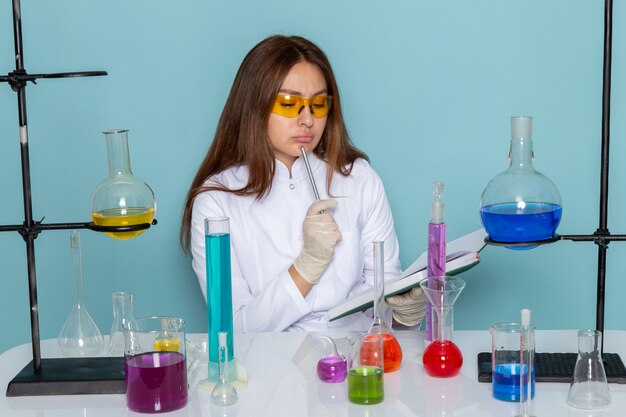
408 308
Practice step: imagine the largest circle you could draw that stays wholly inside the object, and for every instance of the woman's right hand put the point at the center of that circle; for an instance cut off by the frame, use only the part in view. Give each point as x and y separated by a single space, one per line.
320 235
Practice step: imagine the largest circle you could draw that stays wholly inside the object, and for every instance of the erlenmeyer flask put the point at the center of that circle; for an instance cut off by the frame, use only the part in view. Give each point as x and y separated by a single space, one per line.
122 313
520 204
442 357
80 335
391 348
121 199
589 389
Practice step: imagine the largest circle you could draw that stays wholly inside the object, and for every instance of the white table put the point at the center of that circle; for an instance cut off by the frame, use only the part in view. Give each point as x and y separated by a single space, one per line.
283 382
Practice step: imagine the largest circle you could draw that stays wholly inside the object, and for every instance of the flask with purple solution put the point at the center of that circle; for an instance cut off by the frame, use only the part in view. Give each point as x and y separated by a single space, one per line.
333 366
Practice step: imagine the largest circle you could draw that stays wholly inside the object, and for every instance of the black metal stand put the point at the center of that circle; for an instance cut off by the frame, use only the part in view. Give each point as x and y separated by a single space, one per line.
67 375
564 369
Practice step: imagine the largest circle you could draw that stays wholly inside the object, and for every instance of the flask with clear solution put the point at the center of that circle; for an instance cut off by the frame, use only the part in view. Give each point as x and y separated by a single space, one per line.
589 389
520 204
80 335
122 314
121 199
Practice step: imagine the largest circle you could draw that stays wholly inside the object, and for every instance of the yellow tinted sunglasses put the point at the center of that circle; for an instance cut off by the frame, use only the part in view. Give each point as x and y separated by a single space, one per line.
290 105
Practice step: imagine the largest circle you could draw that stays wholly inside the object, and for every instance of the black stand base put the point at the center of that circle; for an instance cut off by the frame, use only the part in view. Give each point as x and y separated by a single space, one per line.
67 376
558 367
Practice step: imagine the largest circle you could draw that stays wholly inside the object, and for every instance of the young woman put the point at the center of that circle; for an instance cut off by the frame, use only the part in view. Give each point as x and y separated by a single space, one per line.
292 258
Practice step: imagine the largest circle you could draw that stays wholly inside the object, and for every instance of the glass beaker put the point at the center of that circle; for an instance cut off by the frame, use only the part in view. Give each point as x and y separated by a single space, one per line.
366 363
506 369
589 389
80 335
122 314
442 357
520 204
121 199
391 346
156 379
219 293
332 367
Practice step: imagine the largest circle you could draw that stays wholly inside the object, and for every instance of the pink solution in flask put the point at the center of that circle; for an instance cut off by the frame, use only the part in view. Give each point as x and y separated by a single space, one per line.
332 367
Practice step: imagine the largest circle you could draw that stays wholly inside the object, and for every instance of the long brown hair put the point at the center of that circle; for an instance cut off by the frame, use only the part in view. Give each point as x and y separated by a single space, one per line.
241 136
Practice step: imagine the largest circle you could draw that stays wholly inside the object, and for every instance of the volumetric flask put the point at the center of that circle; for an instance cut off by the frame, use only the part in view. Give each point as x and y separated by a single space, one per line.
520 204
391 346
80 335
589 389
366 363
506 368
121 199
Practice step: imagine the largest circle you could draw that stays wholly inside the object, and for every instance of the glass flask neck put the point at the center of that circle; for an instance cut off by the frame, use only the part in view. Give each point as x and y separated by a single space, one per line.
379 283
444 323
521 153
77 268
117 150
122 306
589 341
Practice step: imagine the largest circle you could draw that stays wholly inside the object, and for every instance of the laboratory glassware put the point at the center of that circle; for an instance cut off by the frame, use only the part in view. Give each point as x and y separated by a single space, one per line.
219 293
442 357
589 389
332 367
122 313
508 372
121 199
223 393
366 383
156 381
391 346
527 361
520 204
80 335
436 265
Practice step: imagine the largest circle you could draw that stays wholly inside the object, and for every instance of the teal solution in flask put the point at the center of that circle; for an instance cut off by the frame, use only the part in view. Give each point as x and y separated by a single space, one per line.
219 292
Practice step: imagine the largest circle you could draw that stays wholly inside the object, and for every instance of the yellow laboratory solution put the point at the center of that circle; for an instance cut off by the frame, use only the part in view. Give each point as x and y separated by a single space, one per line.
166 344
123 217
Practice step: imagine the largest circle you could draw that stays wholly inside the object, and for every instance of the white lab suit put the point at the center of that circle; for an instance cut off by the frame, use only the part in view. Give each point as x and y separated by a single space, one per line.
266 238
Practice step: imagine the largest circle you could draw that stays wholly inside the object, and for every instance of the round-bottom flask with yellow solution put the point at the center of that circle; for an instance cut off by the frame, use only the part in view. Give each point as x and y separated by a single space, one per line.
121 199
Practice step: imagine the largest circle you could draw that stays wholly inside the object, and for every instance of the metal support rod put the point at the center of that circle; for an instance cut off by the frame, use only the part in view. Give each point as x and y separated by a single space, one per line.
28 210
40 227
604 171
30 229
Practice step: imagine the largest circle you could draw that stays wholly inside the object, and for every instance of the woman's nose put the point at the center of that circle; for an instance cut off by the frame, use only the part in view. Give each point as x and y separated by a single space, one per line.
305 118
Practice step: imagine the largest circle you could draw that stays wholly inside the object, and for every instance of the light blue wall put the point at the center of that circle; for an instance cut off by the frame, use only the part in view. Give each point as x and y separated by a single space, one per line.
428 89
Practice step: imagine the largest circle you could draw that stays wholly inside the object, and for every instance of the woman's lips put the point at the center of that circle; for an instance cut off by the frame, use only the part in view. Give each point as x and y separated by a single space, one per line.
303 138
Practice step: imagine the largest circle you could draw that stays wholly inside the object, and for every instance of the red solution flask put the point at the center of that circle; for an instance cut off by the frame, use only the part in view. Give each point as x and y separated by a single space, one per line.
442 357
392 351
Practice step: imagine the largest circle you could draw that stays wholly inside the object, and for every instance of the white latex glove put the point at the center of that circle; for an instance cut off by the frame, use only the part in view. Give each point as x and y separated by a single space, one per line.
320 235
408 308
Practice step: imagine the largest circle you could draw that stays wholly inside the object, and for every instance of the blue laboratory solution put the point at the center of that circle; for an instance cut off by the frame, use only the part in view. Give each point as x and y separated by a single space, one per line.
508 223
506 379
219 294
